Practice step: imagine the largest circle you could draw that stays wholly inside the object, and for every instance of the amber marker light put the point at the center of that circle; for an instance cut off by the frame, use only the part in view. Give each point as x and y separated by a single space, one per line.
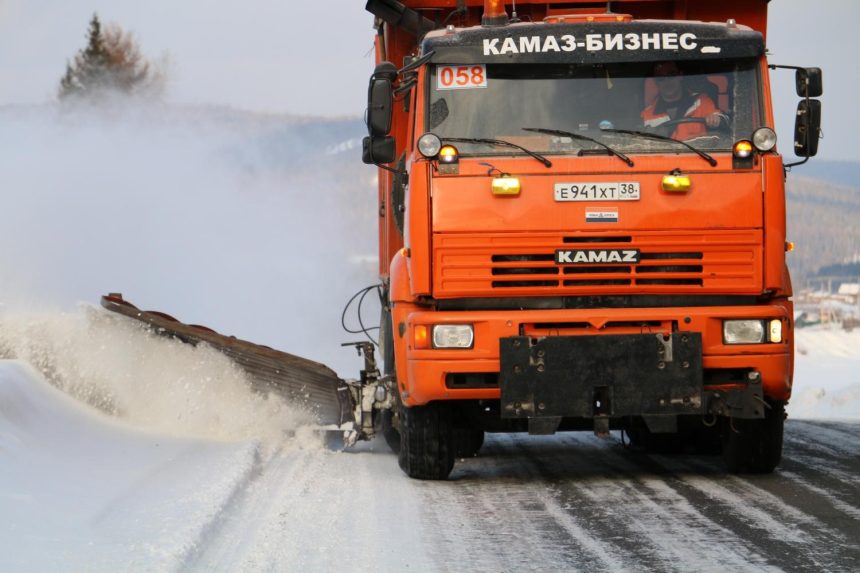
789 246
676 183
494 13
421 339
506 186
449 160
449 154
742 149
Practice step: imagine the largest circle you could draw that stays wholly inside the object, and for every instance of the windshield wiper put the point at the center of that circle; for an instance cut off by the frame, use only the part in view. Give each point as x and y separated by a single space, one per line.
571 135
707 157
502 142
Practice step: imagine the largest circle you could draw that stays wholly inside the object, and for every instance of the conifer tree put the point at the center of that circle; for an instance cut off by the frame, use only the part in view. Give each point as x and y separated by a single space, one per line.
111 61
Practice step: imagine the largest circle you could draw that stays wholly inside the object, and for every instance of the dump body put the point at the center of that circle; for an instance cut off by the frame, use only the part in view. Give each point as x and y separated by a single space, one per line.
512 304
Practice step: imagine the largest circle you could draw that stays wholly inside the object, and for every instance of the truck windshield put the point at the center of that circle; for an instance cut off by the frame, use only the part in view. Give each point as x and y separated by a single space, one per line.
709 104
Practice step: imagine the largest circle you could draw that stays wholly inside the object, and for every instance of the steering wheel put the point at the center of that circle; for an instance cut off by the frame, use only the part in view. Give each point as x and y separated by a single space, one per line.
670 125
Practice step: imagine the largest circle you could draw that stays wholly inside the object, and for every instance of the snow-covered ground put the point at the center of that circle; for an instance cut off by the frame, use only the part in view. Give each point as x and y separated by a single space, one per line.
826 374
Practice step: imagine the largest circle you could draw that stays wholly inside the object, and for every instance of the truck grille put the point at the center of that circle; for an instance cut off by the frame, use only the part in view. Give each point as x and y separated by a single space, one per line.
477 265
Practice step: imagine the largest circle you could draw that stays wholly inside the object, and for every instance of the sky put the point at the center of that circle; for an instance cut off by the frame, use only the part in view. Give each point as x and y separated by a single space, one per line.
314 58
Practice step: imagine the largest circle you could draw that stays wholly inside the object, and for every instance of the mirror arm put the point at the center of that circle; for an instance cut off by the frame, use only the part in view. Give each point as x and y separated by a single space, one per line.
417 63
405 87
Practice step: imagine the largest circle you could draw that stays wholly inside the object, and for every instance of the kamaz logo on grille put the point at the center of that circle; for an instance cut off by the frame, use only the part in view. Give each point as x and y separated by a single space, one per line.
596 256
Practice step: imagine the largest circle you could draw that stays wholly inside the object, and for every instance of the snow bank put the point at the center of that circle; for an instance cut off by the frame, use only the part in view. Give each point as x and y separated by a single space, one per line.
826 374
81 492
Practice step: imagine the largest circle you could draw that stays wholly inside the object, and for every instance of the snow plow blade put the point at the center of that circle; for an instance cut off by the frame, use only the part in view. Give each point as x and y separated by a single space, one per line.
301 381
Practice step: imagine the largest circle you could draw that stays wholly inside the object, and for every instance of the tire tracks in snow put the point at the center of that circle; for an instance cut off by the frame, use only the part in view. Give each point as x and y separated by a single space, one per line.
507 521
590 505
657 526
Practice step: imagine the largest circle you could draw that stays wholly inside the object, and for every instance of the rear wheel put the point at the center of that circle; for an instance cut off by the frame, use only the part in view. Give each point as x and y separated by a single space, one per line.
754 446
426 441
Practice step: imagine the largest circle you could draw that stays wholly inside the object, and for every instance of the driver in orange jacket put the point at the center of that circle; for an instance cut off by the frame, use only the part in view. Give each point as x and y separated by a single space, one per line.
674 102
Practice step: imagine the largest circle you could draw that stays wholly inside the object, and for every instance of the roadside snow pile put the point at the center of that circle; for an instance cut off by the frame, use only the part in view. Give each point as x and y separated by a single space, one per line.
147 381
81 492
826 374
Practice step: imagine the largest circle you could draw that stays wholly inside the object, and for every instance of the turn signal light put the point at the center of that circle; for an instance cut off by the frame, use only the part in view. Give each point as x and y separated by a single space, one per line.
421 339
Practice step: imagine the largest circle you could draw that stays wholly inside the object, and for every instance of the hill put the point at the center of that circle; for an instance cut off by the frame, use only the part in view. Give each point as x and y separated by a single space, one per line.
823 222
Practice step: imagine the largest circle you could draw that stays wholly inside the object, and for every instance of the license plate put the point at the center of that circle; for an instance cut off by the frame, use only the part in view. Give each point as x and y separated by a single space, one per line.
597 191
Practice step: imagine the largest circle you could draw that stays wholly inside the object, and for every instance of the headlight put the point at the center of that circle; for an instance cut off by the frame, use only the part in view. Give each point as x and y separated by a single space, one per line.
743 331
429 145
453 336
764 139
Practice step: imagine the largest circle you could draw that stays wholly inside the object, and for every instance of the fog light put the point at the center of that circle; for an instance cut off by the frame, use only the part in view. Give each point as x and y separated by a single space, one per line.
453 336
775 330
743 331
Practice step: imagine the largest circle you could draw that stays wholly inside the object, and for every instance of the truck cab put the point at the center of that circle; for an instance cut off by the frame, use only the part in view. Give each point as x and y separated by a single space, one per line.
582 226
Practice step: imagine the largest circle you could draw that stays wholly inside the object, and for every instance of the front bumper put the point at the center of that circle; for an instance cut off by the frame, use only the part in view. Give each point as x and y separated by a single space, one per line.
422 373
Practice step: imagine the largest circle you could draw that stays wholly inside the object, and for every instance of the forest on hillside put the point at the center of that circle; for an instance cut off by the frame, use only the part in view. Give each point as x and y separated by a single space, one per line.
823 222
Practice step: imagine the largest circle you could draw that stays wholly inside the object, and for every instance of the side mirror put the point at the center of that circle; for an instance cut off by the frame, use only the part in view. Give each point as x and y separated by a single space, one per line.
376 150
380 99
807 127
808 82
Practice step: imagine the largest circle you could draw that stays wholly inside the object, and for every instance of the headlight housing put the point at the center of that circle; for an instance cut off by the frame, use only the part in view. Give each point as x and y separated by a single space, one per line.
743 331
453 336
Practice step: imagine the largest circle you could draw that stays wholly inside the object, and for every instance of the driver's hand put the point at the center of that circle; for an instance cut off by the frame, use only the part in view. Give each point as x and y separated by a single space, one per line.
712 120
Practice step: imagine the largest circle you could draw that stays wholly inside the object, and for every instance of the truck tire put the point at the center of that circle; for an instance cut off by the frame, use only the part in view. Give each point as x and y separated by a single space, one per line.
467 442
426 441
389 432
387 423
754 446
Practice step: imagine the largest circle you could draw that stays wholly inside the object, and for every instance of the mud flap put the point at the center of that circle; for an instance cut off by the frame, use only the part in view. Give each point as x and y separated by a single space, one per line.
601 377
304 382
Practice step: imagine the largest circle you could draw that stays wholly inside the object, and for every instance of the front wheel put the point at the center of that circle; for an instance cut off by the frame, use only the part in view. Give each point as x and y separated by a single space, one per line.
427 441
754 446
467 442
389 430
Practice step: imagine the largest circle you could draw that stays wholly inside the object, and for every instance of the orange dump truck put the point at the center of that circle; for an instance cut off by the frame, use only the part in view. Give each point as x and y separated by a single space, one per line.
582 225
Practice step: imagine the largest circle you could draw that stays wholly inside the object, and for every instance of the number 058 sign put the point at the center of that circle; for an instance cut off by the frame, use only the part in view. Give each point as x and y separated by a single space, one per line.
461 77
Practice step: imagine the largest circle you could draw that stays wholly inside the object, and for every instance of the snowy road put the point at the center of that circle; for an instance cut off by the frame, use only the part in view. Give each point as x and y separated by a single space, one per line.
569 502
83 491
